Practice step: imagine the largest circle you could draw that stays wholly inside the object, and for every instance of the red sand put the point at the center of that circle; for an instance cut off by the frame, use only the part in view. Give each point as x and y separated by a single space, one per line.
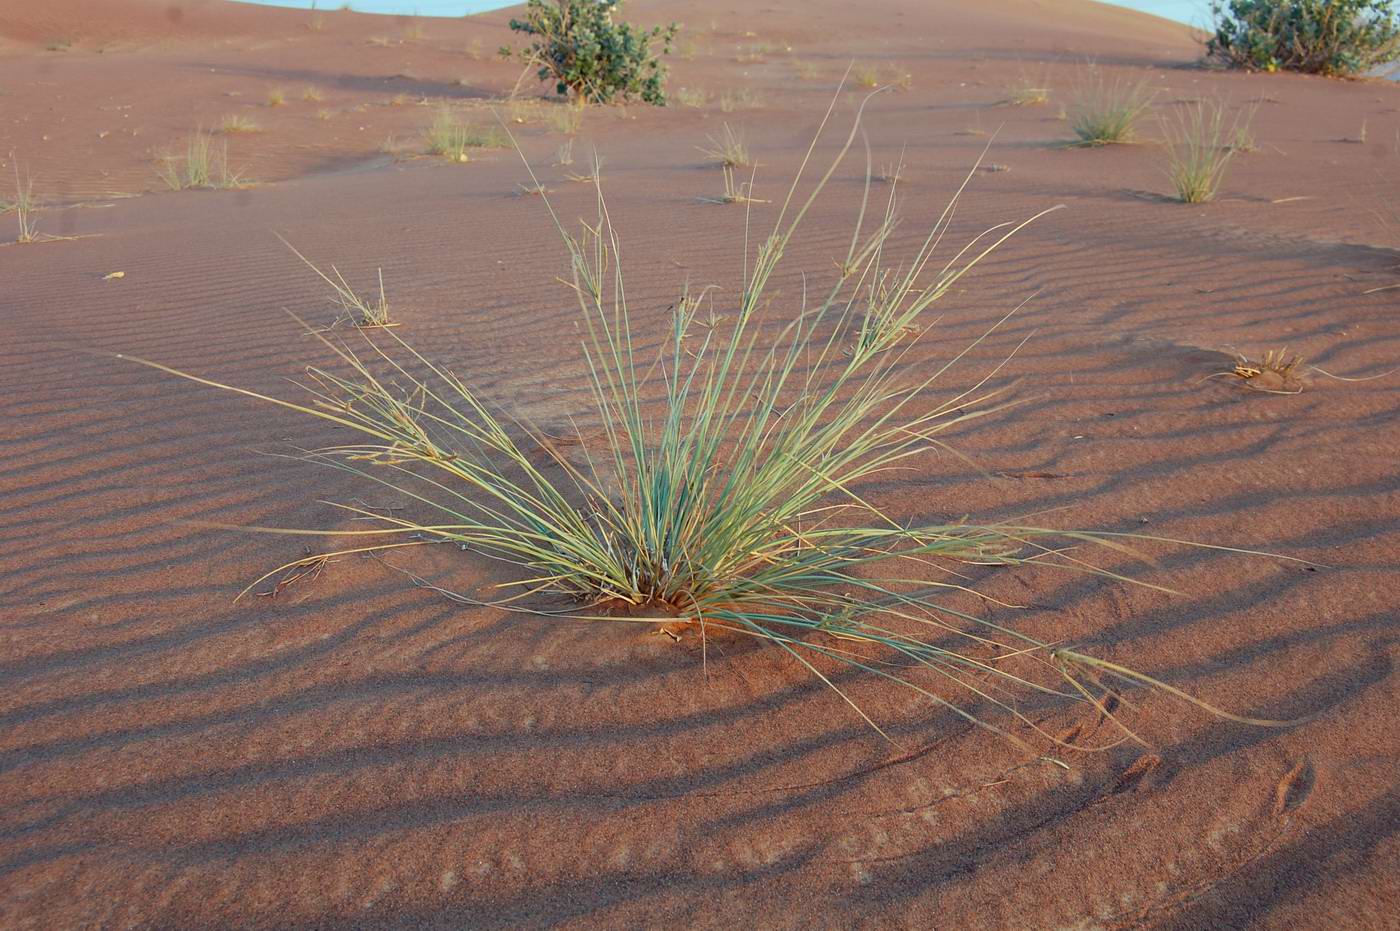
361 753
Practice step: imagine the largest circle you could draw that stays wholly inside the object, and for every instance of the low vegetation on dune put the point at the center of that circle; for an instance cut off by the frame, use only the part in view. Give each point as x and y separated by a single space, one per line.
355 309
576 45
1106 112
23 207
451 137
728 496
1200 142
1340 38
201 164
727 148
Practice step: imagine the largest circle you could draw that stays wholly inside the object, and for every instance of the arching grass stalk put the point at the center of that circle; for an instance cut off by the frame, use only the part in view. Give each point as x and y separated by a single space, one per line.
724 497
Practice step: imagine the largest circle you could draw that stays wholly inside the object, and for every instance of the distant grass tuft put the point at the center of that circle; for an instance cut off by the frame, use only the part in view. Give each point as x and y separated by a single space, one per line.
451 138
690 97
1199 146
359 311
742 99
1105 113
23 206
728 148
276 97
236 124
200 165
1025 93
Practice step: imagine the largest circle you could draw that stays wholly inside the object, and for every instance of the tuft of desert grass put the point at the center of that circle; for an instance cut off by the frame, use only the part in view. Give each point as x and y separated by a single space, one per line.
727 148
450 137
891 172
1106 112
236 124
727 498
690 97
565 118
312 94
1199 148
741 99
364 312
24 206
201 164
1025 93
276 97
865 75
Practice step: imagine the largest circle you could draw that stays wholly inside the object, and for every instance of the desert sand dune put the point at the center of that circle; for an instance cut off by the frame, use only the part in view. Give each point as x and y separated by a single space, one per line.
358 751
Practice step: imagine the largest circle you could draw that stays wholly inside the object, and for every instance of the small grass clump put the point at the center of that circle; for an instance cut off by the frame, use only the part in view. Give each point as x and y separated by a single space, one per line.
741 99
1199 148
371 312
1026 93
728 148
202 164
1106 113
312 94
565 118
237 124
690 97
865 76
23 207
730 496
451 138
276 97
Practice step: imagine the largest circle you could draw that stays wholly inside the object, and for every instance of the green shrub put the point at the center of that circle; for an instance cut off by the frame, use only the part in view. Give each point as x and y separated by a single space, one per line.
1333 37
588 56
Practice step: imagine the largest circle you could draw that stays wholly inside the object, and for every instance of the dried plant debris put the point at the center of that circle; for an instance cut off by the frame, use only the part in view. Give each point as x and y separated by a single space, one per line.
1277 372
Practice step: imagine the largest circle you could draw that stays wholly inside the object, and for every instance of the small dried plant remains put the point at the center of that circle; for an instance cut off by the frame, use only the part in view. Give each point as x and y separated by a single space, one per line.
735 191
1276 372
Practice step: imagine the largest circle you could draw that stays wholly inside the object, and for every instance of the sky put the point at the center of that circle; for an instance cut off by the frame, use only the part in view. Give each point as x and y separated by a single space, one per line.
1187 11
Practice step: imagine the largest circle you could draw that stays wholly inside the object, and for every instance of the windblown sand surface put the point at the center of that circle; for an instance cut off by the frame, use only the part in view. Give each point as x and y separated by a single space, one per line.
359 752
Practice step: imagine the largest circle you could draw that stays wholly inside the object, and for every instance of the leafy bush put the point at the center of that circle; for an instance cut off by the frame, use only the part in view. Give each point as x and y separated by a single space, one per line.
588 56
1333 37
